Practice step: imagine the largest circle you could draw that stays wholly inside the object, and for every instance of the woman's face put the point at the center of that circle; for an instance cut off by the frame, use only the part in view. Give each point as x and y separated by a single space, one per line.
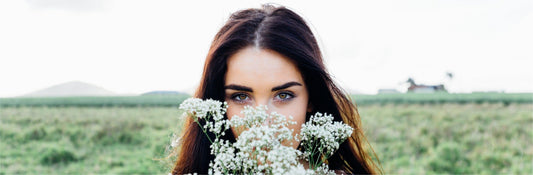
264 77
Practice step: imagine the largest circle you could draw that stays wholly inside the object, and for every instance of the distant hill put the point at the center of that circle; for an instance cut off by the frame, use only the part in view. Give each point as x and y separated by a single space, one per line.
73 88
164 93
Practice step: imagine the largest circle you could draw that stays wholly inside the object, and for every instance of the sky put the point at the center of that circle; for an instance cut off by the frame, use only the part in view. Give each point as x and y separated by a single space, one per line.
132 47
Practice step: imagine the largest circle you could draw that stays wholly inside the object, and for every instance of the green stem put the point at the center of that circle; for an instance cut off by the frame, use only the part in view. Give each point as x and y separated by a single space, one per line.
313 152
205 132
312 148
320 156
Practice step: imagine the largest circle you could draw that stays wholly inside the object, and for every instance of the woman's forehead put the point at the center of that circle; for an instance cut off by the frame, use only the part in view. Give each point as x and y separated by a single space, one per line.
259 67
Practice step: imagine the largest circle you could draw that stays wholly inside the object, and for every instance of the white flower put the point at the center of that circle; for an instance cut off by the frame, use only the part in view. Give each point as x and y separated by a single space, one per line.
322 134
300 170
323 169
259 148
282 158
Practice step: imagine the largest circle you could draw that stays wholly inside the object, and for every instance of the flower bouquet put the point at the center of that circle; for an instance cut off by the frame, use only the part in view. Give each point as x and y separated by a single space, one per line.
263 146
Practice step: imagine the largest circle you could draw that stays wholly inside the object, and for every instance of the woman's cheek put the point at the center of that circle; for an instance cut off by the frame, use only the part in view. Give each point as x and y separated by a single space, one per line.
297 111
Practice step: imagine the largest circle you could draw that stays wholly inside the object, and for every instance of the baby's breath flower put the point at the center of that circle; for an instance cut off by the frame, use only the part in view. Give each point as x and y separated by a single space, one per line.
323 169
201 108
300 170
254 116
210 112
322 134
259 148
282 158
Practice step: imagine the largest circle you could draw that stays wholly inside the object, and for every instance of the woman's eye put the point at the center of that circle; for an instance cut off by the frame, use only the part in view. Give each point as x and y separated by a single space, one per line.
240 97
284 96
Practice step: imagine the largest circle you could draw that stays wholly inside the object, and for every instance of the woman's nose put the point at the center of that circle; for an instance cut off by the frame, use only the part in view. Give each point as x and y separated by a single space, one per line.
269 110
265 102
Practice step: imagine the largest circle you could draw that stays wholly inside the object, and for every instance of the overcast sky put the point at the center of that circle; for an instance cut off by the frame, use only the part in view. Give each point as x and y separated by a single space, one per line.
130 46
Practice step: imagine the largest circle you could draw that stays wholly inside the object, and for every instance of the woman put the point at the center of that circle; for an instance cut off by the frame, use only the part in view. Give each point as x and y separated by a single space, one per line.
270 57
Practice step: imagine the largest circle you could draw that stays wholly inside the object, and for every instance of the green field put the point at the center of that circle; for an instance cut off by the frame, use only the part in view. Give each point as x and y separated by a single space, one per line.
443 98
410 136
119 101
70 140
452 138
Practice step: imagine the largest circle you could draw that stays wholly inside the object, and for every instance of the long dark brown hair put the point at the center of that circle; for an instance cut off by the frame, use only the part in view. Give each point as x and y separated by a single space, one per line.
281 30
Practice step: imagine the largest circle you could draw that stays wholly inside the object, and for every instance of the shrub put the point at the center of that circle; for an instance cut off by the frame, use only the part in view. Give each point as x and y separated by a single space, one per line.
57 155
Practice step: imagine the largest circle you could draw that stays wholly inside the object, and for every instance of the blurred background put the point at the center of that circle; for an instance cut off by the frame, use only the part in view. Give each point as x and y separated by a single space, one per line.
94 85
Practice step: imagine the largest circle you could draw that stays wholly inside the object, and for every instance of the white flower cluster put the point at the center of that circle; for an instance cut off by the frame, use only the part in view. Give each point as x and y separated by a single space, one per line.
201 108
209 111
320 133
259 149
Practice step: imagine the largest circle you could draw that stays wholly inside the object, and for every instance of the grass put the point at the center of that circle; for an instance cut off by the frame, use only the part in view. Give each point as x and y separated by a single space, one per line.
451 138
443 98
43 140
118 101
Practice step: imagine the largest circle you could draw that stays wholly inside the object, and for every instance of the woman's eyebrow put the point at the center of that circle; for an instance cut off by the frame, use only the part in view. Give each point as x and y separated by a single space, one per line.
286 85
238 87
247 89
